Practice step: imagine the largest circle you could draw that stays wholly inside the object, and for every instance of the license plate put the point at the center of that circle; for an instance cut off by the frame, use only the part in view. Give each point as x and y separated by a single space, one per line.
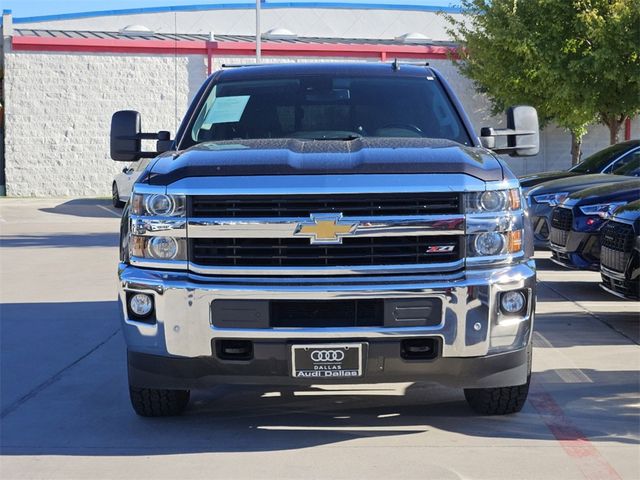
324 360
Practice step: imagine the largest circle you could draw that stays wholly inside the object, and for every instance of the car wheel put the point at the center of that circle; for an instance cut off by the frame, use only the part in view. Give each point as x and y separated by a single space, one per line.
498 401
115 196
151 402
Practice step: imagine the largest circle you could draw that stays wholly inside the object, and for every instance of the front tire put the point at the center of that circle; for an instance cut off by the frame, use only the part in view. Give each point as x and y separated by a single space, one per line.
499 400
151 402
115 196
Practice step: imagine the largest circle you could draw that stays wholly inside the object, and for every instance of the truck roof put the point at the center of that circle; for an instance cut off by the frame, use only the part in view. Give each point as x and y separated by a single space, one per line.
337 68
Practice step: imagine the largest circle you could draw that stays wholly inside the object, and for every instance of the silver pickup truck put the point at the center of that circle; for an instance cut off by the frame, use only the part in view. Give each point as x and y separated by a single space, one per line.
326 223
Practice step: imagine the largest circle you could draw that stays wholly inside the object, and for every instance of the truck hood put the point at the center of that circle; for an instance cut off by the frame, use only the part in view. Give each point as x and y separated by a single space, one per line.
325 157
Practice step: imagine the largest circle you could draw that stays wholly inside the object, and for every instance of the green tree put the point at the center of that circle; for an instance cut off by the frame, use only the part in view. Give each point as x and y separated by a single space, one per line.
547 53
611 52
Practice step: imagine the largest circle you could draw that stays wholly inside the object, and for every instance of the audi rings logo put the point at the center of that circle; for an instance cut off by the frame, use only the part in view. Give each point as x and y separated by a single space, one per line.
327 355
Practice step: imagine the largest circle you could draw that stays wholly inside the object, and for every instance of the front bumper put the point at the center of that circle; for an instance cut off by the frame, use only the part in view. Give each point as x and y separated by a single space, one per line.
620 283
472 329
540 214
581 250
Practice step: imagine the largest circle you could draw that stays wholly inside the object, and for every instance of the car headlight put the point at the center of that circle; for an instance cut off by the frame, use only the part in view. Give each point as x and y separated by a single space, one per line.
158 248
603 210
551 198
158 204
492 201
489 244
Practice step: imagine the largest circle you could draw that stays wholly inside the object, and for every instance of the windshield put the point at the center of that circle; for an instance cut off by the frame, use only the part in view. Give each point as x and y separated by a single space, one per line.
320 107
599 160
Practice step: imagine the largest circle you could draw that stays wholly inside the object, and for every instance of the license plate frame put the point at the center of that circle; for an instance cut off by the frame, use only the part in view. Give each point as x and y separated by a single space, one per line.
327 360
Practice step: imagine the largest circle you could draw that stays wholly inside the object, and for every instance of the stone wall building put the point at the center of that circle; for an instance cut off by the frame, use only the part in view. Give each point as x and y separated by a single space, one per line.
65 75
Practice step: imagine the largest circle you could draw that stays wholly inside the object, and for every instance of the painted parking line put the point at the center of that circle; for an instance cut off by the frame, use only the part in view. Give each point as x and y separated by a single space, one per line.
115 214
575 443
554 357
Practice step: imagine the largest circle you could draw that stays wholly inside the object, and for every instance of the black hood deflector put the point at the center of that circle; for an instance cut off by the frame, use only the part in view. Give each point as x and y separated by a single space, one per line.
326 157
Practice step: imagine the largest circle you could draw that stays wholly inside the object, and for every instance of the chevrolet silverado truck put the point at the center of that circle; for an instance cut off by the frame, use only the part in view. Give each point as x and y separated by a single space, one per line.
326 223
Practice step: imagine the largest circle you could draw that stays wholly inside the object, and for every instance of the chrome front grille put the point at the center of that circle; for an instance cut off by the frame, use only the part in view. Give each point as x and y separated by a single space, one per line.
279 206
299 252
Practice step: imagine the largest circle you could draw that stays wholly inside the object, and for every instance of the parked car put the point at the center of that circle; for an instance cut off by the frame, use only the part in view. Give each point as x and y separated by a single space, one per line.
542 198
123 182
604 161
620 253
576 222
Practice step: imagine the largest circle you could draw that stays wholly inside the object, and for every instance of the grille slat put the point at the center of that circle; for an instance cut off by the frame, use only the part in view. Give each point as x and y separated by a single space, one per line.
304 205
299 252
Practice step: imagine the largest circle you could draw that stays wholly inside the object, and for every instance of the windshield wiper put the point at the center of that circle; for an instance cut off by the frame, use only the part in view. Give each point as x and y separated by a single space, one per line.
351 136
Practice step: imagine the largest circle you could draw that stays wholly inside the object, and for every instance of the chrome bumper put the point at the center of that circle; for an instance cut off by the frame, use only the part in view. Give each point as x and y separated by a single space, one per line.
471 325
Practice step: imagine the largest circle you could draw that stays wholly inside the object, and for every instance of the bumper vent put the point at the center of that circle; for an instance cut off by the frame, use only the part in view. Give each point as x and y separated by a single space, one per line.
300 206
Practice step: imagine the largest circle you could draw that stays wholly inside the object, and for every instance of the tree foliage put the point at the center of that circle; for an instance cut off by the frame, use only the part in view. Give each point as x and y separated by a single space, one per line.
576 61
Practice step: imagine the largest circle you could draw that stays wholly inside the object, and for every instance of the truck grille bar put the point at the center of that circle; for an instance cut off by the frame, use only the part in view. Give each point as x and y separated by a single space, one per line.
298 252
375 204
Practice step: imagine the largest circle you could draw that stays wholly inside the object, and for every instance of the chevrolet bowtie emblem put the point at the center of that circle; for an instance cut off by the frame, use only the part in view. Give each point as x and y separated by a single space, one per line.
325 228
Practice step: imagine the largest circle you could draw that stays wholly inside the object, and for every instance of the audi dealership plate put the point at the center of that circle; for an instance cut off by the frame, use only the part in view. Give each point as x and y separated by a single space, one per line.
343 360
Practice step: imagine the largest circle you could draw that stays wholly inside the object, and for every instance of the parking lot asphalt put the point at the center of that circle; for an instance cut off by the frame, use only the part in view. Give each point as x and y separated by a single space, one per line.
65 410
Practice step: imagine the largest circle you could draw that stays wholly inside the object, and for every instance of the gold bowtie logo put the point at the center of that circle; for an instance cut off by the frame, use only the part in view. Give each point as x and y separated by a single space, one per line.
325 228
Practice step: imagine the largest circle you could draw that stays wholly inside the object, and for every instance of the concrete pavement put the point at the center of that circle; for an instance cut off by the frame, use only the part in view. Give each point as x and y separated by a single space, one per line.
65 411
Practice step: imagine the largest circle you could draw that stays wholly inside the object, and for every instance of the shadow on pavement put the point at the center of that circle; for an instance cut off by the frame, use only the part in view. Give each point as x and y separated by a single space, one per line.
85 207
568 329
69 240
250 419
577 291
77 403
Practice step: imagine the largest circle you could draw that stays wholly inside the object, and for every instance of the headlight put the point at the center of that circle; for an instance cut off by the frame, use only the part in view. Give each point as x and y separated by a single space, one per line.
492 201
603 210
163 248
158 204
158 248
551 198
489 244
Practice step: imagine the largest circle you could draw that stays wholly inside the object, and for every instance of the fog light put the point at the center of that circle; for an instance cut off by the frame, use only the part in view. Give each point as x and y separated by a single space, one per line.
141 304
490 243
163 248
512 302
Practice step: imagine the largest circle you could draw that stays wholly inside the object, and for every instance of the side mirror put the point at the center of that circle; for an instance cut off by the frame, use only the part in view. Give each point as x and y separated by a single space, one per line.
522 133
126 138
125 131
164 142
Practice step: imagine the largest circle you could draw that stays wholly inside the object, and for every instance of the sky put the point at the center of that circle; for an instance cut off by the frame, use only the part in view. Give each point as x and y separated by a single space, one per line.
31 8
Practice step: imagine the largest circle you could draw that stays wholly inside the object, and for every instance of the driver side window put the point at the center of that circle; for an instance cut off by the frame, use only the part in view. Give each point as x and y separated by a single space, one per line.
623 161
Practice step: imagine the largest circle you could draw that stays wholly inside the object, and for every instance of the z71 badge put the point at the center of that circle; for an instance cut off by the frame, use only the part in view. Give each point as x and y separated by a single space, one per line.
440 248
